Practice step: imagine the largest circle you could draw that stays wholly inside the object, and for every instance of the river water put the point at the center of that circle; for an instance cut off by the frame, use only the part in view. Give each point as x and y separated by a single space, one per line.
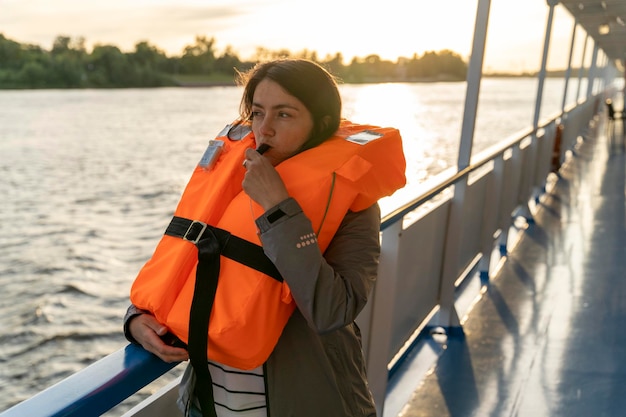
89 180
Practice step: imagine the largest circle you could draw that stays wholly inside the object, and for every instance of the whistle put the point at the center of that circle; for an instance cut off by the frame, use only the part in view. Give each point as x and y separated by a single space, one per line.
263 148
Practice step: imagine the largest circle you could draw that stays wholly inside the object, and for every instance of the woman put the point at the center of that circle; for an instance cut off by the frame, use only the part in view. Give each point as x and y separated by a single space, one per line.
316 366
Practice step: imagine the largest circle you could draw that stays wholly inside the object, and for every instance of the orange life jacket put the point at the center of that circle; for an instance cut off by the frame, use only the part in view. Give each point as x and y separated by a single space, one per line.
350 171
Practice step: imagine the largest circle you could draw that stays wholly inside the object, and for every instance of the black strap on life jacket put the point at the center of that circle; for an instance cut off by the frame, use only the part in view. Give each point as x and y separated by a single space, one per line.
211 243
233 247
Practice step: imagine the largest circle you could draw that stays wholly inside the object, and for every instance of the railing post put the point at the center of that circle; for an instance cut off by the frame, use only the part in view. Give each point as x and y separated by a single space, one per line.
581 67
381 324
591 78
544 162
568 72
544 60
447 316
491 215
624 89
536 185
512 187
526 185
526 189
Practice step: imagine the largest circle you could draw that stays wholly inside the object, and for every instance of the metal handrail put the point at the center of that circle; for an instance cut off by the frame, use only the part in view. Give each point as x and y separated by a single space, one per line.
401 211
97 388
500 149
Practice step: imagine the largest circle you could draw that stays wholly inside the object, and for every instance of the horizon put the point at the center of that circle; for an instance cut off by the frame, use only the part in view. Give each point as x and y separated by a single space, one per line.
89 46
246 25
346 61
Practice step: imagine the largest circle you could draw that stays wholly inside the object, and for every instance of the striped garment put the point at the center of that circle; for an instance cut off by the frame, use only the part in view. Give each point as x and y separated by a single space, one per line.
237 393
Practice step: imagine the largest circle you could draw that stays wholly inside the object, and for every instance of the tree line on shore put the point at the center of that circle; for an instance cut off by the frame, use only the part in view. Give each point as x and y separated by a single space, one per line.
68 64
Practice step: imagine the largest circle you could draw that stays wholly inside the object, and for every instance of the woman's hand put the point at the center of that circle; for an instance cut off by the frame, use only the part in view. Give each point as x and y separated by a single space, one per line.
147 331
261 182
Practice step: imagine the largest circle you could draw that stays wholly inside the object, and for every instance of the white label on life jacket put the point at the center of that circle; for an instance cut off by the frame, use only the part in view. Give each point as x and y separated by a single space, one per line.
364 137
213 151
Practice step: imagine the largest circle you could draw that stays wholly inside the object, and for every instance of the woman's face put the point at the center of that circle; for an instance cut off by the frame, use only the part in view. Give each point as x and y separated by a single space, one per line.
279 120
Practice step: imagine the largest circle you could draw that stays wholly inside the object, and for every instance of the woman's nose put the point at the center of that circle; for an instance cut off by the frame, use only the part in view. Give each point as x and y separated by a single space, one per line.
267 127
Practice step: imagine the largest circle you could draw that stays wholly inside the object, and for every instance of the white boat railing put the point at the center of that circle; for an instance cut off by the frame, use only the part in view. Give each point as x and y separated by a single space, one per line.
408 294
500 183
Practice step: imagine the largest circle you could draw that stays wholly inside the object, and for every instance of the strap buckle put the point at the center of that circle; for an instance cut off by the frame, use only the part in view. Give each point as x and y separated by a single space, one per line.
195 231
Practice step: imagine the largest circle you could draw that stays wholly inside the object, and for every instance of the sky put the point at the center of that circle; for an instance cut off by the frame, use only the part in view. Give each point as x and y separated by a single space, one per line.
388 28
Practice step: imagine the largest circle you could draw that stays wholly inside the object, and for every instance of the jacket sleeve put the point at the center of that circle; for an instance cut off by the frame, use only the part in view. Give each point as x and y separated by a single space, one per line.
329 289
131 313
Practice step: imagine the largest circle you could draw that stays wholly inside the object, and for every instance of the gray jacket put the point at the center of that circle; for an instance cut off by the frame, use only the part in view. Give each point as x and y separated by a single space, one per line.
317 367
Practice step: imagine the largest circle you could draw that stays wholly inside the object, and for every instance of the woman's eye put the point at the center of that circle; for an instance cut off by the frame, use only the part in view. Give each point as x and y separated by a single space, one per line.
283 115
255 114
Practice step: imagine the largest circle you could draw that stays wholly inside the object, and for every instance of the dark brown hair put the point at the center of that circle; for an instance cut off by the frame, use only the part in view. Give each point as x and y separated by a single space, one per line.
307 81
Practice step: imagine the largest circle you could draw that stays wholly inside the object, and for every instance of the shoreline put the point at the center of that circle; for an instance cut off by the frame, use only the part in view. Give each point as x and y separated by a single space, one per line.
209 83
